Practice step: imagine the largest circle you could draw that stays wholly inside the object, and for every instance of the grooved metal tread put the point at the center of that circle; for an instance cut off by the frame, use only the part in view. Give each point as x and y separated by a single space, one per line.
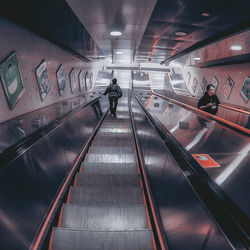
107 179
112 149
68 239
106 195
108 168
106 218
117 158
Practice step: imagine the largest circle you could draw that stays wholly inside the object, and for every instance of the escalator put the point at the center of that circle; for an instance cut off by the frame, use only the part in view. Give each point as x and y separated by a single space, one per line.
106 208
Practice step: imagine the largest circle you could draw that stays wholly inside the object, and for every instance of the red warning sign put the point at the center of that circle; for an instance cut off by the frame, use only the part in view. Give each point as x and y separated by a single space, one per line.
205 161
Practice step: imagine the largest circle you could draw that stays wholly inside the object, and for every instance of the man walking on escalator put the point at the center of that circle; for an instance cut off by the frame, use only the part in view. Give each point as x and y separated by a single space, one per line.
114 92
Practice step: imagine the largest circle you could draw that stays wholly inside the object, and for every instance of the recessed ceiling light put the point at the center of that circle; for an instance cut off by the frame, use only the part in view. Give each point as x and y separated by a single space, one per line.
115 33
118 52
205 14
236 47
180 33
197 58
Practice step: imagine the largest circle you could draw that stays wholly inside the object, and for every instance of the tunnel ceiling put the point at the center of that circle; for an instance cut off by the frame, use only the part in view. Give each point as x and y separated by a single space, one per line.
174 28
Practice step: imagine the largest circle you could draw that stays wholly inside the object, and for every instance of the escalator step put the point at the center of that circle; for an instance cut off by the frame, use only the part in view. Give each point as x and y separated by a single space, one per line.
117 149
68 239
111 157
109 168
107 179
106 195
106 218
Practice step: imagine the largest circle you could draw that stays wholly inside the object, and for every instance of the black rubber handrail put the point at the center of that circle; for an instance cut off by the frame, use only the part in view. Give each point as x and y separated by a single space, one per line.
227 123
16 149
233 222
160 241
41 240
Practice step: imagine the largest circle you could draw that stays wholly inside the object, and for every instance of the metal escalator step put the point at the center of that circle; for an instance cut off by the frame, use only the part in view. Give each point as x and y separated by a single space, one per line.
106 218
117 149
112 157
107 179
69 239
106 195
109 168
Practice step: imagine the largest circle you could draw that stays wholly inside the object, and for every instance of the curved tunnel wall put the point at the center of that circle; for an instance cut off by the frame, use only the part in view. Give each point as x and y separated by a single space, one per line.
31 50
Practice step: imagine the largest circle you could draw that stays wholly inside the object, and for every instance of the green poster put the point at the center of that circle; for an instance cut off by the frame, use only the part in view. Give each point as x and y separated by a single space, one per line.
12 81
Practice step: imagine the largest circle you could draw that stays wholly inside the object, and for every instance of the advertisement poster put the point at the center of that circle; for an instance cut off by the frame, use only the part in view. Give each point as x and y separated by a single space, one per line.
189 77
86 80
91 81
245 90
43 80
12 80
73 80
203 84
215 82
81 80
195 83
227 87
61 79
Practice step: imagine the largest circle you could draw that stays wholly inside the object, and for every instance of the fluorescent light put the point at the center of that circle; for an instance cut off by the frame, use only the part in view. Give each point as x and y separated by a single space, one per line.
236 47
180 33
197 58
118 52
205 14
115 33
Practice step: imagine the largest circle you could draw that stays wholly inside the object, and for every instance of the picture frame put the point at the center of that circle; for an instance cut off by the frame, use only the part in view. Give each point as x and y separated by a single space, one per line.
60 75
245 90
227 87
11 79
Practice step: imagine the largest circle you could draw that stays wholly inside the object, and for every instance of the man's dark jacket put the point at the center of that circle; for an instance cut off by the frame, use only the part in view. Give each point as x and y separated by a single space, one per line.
209 99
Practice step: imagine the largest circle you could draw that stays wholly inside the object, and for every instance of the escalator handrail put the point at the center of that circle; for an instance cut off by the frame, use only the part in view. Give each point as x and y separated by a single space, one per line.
154 217
205 114
47 222
16 149
230 218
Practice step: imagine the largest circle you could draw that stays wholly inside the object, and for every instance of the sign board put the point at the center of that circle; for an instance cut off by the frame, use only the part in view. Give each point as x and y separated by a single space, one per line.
203 84
73 80
227 87
12 80
205 161
195 83
86 80
61 79
215 83
81 80
245 90
43 81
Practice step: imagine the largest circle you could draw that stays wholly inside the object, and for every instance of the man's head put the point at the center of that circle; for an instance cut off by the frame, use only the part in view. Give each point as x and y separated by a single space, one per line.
114 81
210 89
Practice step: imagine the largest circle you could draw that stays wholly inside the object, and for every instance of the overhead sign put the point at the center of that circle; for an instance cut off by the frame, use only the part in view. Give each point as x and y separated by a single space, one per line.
12 81
205 161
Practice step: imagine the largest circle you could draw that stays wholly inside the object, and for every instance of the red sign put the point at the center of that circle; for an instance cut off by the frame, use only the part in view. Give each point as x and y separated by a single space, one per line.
205 161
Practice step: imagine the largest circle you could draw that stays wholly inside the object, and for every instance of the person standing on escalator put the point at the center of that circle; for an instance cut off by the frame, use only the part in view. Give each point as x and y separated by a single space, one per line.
115 93
209 102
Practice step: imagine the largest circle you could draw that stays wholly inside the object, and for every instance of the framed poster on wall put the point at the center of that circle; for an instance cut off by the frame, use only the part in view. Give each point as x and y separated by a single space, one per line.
195 83
203 84
12 80
81 80
189 78
215 82
245 90
87 80
60 75
91 80
227 87
43 81
73 80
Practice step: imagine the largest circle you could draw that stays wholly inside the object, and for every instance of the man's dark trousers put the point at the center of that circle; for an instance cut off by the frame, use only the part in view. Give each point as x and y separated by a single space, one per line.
113 104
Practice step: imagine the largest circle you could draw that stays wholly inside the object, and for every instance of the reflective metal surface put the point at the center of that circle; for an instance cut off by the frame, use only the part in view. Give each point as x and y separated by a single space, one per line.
107 198
15 129
30 182
204 136
185 222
